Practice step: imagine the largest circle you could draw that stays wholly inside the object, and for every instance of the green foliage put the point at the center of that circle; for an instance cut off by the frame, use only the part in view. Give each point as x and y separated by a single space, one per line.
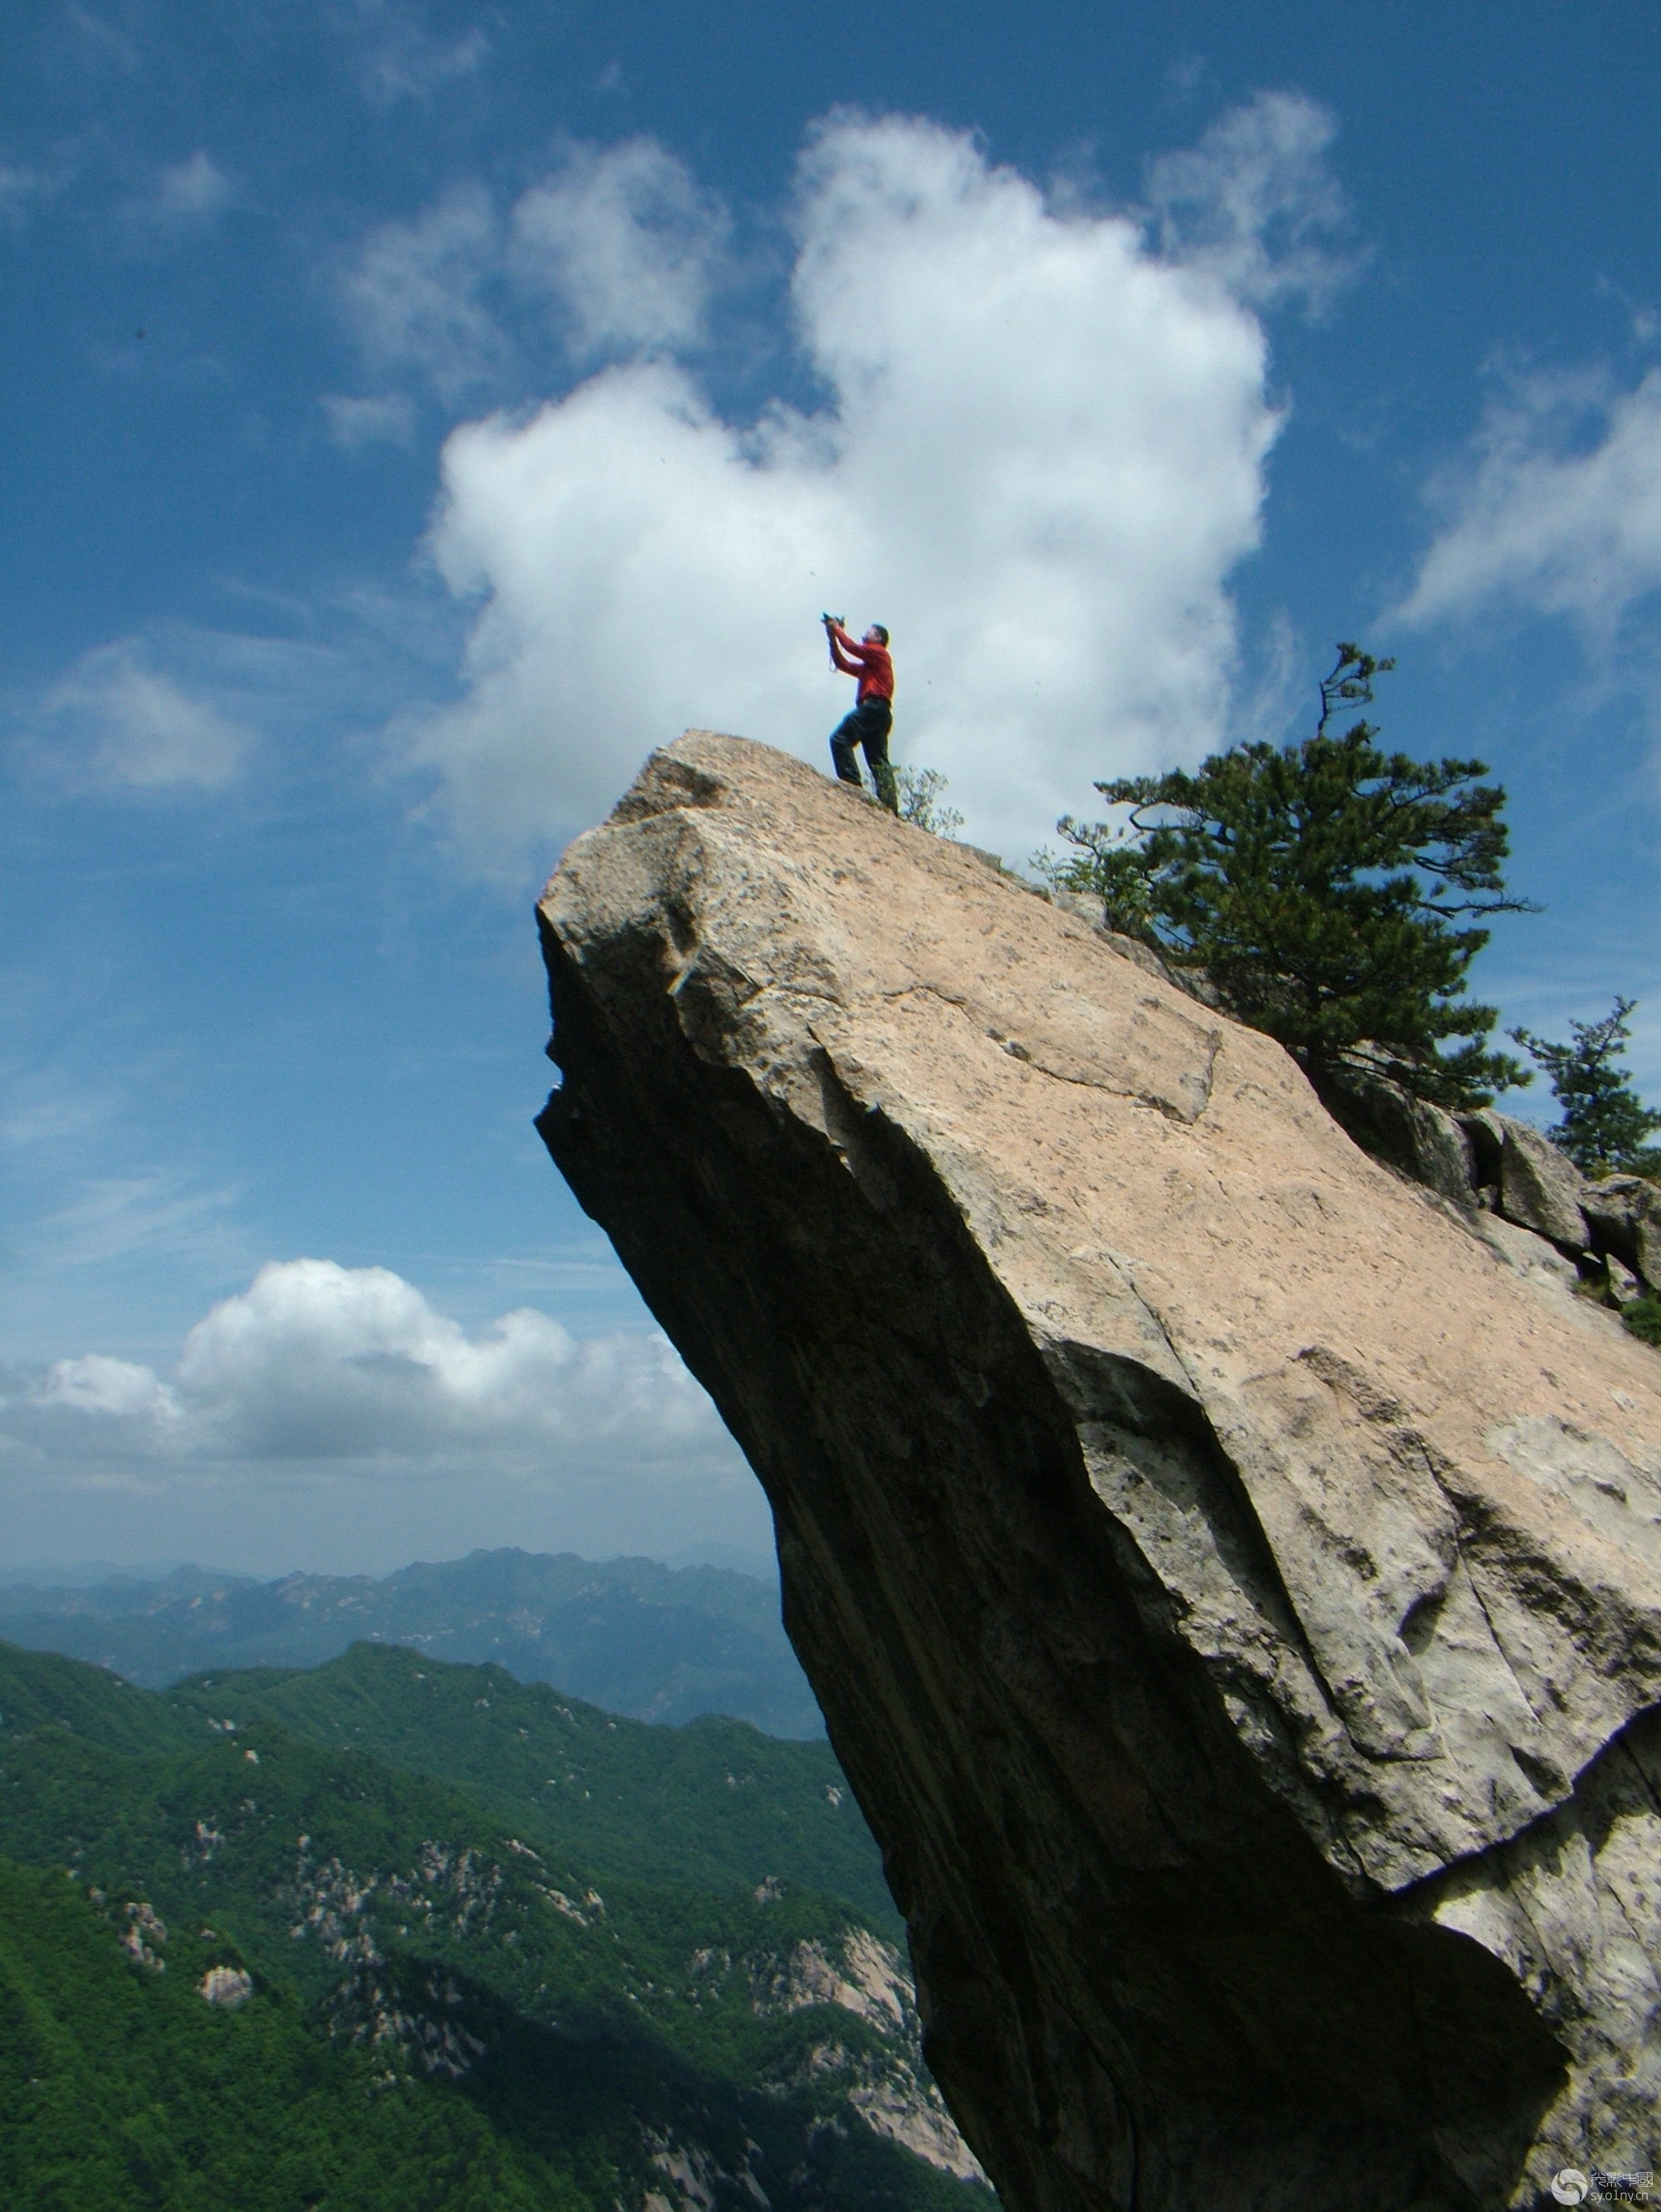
1643 1318
122 2088
714 1804
39 1690
1604 1121
1327 889
921 794
457 2003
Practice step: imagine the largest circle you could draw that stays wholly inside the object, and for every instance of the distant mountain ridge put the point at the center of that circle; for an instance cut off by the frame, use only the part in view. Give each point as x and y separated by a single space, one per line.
652 1642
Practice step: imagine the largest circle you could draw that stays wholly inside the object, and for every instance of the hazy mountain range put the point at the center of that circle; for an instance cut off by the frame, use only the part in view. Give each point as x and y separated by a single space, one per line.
655 1642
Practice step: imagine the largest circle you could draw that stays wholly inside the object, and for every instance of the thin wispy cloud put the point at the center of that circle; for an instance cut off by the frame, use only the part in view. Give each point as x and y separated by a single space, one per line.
28 187
386 419
192 191
117 722
44 1110
153 1214
179 202
418 296
1555 509
1256 205
399 58
101 41
185 713
20 188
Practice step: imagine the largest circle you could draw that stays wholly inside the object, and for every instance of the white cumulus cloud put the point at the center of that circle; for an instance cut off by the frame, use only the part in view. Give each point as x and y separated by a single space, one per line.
120 1388
317 1363
1038 458
1557 509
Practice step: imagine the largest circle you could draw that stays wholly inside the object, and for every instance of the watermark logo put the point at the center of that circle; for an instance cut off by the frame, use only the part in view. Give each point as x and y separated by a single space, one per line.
1571 2186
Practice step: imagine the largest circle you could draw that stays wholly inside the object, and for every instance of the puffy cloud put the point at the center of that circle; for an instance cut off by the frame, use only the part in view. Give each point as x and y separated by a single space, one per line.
1039 457
119 1388
118 721
1256 205
626 243
1558 509
617 248
317 1363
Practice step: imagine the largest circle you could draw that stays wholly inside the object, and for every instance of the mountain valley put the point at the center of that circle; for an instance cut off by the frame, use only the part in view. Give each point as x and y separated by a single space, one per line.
392 1932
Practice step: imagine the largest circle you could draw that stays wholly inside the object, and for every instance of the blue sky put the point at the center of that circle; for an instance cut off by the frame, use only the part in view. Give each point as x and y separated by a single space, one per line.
414 415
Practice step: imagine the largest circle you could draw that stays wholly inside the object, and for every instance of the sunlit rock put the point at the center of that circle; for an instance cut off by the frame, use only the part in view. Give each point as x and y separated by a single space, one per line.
1233 1591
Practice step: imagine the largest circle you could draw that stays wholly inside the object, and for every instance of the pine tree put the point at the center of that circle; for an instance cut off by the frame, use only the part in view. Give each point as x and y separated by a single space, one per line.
1329 891
1604 1121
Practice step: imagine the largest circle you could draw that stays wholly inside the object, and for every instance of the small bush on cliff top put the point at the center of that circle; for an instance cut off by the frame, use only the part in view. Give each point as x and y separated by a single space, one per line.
923 800
1331 892
1643 1318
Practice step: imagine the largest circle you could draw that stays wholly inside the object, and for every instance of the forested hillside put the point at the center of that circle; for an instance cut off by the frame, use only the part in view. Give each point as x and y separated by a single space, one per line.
712 1804
332 1941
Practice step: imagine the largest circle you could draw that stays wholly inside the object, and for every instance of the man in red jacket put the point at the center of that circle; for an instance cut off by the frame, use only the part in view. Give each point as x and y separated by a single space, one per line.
873 712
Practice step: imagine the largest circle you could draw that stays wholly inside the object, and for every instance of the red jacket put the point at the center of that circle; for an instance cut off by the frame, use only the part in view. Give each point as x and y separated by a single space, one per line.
872 664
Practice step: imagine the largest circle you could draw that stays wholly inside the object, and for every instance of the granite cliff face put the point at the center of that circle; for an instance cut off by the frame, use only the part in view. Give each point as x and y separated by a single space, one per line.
1232 1589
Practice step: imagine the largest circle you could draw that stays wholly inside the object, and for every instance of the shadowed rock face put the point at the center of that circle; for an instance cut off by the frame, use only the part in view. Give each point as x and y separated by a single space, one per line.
1231 1591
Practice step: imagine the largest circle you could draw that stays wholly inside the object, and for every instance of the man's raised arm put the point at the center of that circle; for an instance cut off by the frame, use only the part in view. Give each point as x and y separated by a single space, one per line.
848 655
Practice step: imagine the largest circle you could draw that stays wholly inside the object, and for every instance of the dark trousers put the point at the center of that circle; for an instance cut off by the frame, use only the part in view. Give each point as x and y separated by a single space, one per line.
868 727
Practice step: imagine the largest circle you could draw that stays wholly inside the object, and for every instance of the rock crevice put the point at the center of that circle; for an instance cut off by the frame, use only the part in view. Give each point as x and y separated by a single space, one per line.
1221 1572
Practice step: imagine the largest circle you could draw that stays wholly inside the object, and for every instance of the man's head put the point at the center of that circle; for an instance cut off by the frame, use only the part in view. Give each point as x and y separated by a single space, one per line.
876 634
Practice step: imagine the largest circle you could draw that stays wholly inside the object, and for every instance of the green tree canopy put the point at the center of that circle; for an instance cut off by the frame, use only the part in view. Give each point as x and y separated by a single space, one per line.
1604 1122
1332 892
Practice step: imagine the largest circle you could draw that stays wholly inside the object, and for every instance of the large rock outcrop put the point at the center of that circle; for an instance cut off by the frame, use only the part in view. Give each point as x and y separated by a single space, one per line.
1235 1593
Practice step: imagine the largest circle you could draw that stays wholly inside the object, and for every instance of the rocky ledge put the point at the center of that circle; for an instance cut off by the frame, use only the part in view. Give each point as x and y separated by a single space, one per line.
1234 1594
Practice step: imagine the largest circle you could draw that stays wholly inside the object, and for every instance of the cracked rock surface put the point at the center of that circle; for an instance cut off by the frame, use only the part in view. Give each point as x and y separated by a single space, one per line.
1232 1590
